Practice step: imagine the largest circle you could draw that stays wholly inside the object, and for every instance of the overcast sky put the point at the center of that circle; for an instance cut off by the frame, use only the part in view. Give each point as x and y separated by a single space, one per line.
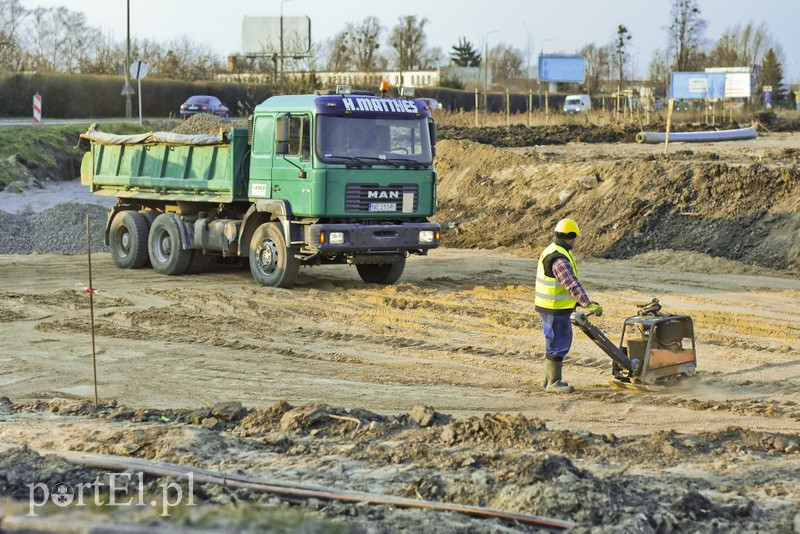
556 25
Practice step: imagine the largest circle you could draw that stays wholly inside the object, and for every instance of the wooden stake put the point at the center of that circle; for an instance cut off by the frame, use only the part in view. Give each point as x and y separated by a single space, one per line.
669 123
91 305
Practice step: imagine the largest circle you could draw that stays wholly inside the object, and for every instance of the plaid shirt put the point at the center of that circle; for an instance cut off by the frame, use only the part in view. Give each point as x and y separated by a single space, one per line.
566 277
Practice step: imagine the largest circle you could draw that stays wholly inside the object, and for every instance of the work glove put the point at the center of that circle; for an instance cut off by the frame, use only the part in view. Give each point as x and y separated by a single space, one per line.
595 308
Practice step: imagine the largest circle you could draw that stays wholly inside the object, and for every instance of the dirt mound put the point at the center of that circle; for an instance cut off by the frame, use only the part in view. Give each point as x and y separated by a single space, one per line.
664 482
519 135
202 123
749 212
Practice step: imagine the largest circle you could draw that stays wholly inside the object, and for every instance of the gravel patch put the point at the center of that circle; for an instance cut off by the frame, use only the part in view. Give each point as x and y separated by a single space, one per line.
57 230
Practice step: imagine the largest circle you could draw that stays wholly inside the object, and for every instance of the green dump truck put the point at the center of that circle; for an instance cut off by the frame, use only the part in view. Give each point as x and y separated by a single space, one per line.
312 180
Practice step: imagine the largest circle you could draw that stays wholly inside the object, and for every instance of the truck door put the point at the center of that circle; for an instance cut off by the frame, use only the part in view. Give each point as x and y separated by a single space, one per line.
290 166
261 156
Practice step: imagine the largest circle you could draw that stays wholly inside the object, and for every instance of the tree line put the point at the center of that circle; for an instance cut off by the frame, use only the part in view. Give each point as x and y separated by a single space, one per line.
57 40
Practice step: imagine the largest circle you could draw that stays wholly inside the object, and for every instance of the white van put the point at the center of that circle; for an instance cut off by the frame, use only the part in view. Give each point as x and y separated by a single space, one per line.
577 103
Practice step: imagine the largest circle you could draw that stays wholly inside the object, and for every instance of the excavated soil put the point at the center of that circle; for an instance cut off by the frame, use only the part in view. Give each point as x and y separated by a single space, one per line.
430 389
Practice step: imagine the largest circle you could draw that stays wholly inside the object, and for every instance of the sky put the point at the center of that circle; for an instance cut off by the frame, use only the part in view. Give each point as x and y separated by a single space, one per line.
560 26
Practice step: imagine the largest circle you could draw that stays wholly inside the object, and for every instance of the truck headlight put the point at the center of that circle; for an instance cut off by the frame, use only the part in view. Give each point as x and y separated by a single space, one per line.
336 238
427 236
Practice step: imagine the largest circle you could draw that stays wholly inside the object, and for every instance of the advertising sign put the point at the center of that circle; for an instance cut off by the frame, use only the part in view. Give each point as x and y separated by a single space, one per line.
561 69
697 85
738 81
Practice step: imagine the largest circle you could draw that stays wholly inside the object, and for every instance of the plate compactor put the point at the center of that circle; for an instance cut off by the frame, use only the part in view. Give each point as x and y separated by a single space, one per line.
656 349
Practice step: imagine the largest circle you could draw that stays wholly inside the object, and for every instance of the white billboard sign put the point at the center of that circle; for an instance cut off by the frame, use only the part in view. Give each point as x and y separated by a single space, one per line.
261 36
738 81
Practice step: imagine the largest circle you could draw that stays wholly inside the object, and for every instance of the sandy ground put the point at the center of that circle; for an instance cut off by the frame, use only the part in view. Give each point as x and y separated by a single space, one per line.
457 334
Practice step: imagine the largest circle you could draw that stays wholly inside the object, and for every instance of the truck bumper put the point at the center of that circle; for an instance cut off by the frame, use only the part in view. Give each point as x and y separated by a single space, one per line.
350 238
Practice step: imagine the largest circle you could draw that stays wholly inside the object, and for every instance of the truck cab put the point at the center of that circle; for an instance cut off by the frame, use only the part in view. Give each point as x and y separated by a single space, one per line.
350 176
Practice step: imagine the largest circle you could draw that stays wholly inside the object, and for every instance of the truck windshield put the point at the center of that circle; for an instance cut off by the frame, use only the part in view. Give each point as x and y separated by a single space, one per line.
369 141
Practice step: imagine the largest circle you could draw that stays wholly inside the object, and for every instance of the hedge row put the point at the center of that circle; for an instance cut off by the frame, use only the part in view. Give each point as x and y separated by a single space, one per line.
91 96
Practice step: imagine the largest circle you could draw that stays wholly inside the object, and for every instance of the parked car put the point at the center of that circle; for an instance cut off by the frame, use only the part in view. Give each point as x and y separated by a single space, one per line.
204 104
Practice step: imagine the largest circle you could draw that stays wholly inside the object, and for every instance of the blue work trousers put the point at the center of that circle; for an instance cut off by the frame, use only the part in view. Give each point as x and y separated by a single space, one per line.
557 334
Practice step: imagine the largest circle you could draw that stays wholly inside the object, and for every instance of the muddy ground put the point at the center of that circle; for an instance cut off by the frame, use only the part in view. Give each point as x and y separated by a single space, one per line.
430 389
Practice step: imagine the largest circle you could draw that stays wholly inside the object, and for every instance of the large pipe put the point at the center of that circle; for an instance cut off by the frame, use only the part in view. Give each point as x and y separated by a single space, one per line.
697 137
285 489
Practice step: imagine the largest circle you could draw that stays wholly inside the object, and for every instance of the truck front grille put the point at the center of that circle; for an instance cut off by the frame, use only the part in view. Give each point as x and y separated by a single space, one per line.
373 198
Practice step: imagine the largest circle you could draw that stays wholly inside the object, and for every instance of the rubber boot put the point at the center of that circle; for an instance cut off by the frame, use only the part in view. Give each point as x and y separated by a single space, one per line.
552 370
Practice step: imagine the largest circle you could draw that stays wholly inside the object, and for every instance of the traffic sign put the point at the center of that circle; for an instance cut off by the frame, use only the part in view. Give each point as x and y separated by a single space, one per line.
138 69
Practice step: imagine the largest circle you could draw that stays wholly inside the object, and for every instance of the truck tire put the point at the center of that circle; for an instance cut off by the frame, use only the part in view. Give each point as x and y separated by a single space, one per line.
128 240
166 246
272 263
382 273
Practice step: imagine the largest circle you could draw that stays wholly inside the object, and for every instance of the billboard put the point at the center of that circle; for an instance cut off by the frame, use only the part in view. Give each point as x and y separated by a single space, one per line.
738 82
697 85
561 69
261 36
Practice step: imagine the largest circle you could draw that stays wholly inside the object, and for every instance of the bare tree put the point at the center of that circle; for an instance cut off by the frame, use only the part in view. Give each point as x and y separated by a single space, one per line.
357 47
338 59
187 61
741 46
12 19
103 56
658 71
408 40
364 42
506 63
597 64
685 34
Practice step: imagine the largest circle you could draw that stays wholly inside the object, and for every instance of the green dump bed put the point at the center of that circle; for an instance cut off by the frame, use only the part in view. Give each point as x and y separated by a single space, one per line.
167 167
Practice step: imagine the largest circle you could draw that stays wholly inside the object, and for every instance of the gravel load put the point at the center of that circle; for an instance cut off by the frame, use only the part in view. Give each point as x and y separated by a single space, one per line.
57 230
203 123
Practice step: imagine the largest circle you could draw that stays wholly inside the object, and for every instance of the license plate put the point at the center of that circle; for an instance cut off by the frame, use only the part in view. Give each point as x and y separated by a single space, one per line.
383 206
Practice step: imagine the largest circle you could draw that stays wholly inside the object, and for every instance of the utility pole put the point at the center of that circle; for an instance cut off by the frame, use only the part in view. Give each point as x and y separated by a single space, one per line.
127 65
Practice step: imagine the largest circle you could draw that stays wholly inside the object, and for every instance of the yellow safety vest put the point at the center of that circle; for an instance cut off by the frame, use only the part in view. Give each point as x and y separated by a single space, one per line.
550 294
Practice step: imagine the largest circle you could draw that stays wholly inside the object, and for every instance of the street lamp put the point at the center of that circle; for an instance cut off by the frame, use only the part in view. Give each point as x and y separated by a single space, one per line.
281 58
486 69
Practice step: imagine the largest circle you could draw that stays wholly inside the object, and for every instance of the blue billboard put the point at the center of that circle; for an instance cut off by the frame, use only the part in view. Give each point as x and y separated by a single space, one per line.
697 85
561 69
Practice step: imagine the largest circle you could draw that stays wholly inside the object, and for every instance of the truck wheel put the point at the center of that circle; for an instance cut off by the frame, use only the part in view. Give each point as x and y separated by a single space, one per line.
166 246
272 263
382 273
128 240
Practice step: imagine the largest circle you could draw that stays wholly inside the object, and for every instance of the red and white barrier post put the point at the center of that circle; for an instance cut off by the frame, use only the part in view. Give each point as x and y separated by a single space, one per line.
37 108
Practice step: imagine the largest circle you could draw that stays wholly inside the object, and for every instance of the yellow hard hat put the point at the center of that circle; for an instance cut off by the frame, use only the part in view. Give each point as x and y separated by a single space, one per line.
566 226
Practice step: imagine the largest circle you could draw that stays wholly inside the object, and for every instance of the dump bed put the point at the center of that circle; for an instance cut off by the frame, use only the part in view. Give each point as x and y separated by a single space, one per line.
167 167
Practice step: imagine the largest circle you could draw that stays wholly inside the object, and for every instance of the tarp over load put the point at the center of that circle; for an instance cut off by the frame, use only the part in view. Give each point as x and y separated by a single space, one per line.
150 138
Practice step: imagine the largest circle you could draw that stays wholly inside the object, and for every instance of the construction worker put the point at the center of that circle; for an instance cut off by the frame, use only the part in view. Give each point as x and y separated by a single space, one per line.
558 291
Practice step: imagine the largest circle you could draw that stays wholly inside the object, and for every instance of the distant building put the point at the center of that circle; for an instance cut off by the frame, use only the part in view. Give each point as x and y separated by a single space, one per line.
469 76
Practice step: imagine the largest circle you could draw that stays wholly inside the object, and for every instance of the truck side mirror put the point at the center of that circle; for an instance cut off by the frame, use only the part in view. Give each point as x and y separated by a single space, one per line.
432 132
